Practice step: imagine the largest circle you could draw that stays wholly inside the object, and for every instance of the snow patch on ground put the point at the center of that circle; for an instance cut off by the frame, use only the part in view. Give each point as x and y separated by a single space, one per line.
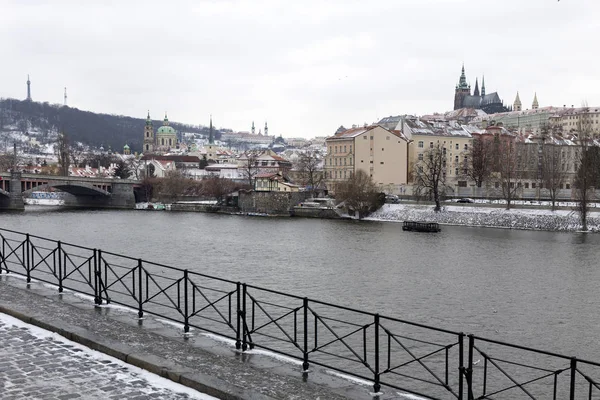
153 379
533 219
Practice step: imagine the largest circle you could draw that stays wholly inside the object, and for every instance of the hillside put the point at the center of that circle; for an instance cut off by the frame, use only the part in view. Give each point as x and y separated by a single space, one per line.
43 121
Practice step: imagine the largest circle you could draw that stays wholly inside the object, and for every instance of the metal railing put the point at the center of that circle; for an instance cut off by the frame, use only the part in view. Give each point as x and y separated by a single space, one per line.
423 360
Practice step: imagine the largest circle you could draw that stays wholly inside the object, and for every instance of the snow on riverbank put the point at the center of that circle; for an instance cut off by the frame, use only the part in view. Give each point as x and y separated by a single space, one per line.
536 219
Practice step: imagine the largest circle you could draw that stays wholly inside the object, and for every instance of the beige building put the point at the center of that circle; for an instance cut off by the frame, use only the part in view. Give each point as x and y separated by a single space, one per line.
274 182
380 152
454 139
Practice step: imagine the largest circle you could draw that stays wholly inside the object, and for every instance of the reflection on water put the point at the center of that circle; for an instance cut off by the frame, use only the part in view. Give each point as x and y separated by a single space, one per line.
533 288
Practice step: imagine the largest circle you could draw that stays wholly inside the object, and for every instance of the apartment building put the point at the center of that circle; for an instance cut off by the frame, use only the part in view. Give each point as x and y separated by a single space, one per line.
382 153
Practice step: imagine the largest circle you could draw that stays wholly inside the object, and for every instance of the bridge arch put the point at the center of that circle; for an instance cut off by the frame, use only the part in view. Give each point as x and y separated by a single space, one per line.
74 188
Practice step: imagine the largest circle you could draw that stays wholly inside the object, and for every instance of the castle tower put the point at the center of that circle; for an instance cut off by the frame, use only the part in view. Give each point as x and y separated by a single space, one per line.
535 105
148 135
476 91
253 128
28 89
517 103
462 90
266 129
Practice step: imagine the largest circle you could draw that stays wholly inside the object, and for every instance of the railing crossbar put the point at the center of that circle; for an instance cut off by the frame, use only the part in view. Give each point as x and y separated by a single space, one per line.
271 320
211 304
520 385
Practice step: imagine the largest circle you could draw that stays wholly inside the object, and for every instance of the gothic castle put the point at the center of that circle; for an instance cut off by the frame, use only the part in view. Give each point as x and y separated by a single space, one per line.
490 103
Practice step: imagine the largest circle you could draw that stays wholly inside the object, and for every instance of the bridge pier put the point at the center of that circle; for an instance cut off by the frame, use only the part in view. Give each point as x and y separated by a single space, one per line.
121 196
13 200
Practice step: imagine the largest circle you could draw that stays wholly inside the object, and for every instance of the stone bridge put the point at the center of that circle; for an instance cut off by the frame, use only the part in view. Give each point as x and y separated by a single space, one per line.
83 192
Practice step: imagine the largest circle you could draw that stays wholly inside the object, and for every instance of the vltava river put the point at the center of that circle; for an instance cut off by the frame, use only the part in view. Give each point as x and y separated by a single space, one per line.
538 289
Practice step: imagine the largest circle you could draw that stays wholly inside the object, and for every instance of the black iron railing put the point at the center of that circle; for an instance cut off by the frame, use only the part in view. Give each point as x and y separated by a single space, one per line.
423 360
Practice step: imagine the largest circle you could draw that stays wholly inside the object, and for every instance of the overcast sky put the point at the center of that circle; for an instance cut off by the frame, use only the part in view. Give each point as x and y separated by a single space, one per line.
306 66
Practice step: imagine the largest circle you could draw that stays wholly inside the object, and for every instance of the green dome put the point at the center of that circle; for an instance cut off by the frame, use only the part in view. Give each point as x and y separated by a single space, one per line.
126 147
165 130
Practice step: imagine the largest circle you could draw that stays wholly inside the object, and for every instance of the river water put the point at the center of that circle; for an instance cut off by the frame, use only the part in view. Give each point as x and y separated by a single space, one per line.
533 288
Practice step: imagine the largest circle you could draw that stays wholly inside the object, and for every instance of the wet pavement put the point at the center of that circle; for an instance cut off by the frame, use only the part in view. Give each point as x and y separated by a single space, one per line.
197 361
38 364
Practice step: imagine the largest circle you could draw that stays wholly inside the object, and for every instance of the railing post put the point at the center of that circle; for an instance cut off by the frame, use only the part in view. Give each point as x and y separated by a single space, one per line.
305 358
461 367
26 254
573 372
140 301
238 290
98 277
470 367
376 385
186 325
60 272
244 343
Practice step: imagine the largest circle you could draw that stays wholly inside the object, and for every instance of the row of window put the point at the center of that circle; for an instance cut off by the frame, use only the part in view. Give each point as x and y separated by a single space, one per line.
335 149
339 174
347 161
421 144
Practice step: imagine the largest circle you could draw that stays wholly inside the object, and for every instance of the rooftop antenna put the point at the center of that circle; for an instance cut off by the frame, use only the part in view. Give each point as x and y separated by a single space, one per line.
65 103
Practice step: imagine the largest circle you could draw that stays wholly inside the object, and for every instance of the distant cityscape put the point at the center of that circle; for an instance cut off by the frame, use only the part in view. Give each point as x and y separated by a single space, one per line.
393 151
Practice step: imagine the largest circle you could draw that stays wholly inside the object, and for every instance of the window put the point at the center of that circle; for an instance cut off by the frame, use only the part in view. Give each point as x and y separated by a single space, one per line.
466 146
371 162
381 162
371 137
431 145
350 148
462 183
421 144
456 158
456 171
456 146
336 149
526 185
382 149
362 161
533 185
567 186
421 157
329 149
336 161
344 174
344 161
344 148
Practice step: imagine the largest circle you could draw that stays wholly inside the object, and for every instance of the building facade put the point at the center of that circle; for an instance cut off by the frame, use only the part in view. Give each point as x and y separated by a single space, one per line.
163 140
379 152
488 102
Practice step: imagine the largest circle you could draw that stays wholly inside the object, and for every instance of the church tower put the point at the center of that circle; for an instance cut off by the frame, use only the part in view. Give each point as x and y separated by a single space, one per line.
476 91
253 128
266 130
462 90
535 104
28 89
483 86
517 103
148 135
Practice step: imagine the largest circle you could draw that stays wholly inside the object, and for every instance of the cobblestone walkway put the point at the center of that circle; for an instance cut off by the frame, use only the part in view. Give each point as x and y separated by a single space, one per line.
37 364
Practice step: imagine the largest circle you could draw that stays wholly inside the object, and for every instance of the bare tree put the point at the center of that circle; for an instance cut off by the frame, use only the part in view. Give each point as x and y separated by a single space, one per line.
172 186
217 187
508 167
310 170
586 167
480 155
135 166
249 166
63 151
553 170
358 192
429 174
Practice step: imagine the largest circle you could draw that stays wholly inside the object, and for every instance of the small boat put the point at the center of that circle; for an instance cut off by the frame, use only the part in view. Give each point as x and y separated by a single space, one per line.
415 226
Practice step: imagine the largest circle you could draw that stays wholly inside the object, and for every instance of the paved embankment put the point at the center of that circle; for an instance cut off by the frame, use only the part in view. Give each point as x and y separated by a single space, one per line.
475 215
193 360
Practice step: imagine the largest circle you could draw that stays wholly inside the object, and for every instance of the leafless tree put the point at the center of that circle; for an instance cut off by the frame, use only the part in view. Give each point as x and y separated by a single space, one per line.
553 170
507 166
429 174
172 186
358 193
63 151
217 187
249 165
135 166
480 156
310 170
586 167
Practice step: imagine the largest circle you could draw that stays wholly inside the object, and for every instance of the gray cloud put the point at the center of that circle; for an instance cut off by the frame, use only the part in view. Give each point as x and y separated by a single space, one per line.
306 67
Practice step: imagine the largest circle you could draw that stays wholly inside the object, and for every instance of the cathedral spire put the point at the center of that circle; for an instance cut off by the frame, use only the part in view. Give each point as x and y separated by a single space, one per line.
535 104
476 91
266 129
211 139
253 128
483 86
148 119
462 82
517 103
166 120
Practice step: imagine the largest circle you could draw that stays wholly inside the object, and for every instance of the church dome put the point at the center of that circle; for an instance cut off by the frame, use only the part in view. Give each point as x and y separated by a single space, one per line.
165 130
126 147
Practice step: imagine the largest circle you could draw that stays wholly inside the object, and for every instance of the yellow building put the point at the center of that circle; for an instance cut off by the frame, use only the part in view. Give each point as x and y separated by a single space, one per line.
274 182
381 153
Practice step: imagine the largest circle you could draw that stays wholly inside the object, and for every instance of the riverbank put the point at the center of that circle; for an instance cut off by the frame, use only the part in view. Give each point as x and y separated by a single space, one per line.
530 218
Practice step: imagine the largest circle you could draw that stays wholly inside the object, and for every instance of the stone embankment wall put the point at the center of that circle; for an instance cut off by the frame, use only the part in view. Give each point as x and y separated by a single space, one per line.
273 203
500 218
